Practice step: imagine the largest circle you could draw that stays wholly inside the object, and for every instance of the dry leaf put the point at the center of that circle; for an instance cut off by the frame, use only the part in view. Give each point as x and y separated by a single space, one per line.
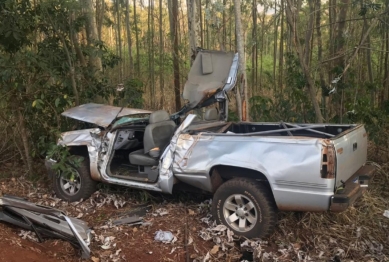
214 250
95 259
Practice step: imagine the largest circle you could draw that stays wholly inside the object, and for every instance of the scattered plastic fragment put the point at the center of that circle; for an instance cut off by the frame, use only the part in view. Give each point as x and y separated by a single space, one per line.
386 213
165 236
161 212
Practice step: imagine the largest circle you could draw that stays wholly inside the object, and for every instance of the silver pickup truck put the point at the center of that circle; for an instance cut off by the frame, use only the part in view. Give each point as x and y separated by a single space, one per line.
252 169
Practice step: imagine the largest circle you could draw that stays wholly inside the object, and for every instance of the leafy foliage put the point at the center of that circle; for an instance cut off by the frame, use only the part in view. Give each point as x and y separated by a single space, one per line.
66 162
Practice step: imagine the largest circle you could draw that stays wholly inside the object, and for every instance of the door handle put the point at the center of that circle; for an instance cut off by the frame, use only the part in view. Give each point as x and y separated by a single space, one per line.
355 146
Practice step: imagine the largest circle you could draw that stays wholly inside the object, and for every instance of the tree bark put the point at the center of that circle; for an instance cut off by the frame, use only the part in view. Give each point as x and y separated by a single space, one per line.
254 47
242 77
161 64
129 40
368 61
385 95
320 56
100 10
173 6
24 136
193 29
119 34
136 40
281 50
74 38
275 48
91 34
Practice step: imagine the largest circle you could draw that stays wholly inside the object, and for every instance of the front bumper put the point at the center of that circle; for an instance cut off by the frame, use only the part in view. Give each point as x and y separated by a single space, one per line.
49 166
353 189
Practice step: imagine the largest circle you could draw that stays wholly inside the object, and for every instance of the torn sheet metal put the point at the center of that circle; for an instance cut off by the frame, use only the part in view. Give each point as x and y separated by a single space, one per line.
45 222
166 160
101 115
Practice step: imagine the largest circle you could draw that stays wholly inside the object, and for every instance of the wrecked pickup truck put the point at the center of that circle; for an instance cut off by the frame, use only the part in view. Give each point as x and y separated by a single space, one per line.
252 169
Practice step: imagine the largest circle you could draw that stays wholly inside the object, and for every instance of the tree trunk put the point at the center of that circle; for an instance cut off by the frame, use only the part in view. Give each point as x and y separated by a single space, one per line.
201 21
281 50
193 29
254 46
385 93
92 36
151 52
290 15
242 63
262 48
74 39
385 96
119 33
129 40
320 56
136 40
206 24
100 10
161 63
368 61
224 28
275 47
24 136
173 6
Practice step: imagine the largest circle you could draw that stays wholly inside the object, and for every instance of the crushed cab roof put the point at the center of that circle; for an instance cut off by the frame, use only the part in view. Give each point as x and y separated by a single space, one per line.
101 115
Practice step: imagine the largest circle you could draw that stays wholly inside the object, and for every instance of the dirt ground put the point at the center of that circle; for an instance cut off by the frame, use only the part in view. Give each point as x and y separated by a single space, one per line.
351 236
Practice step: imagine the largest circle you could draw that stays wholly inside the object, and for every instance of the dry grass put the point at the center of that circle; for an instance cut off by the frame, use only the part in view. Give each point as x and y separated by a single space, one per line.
360 234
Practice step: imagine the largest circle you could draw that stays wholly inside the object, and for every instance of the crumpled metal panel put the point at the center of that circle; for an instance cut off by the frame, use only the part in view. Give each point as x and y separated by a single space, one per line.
78 137
89 138
101 115
46 221
231 80
200 86
166 161
291 164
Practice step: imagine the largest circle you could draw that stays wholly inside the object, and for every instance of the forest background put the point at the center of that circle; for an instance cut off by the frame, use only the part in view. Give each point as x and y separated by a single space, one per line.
305 61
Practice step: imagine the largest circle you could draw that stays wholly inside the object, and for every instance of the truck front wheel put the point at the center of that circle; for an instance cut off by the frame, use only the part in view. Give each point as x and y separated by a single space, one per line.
76 187
246 207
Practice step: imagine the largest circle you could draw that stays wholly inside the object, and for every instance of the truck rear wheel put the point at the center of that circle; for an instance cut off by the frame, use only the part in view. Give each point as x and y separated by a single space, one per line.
246 207
79 186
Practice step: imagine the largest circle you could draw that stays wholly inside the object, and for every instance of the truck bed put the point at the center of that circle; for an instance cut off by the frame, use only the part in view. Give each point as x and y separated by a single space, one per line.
305 164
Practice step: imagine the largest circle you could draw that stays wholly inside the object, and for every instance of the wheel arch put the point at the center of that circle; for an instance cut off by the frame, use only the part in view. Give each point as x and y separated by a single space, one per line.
80 150
222 173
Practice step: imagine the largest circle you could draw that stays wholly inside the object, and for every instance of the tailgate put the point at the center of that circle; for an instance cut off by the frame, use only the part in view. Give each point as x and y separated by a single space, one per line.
351 152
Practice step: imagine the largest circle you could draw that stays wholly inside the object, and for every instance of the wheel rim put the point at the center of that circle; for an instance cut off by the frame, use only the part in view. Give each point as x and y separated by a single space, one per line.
71 186
240 213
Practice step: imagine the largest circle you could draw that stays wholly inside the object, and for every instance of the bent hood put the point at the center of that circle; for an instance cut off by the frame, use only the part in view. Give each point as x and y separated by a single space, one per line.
101 115
212 74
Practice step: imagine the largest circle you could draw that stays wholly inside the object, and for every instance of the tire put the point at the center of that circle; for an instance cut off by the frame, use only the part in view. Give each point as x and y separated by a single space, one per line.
246 207
83 185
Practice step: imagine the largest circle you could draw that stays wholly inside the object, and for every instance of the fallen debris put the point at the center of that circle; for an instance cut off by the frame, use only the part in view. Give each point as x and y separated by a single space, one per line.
160 212
386 213
45 222
127 220
165 237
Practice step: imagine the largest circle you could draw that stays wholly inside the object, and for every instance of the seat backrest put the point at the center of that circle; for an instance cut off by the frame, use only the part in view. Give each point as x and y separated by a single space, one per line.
159 131
211 114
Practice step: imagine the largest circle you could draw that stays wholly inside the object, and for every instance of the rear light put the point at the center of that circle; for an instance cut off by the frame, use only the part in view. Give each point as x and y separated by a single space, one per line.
328 160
